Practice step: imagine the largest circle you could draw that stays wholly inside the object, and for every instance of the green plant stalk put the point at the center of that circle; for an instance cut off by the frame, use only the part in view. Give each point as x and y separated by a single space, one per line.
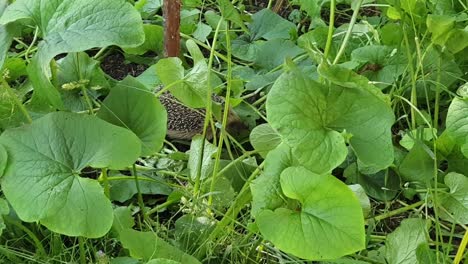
413 99
160 206
40 249
435 199
141 204
437 96
82 250
348 32
105 182
18 103
397 211
331 28
270 2
196 188
88 101
461 248
6 252
225 114
28 50
242 198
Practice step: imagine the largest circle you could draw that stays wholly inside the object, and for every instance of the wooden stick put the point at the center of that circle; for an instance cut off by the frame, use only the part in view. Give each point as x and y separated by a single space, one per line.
171 14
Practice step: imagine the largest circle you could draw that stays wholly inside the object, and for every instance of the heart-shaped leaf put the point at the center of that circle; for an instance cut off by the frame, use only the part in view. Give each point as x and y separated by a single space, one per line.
171 73
316 227
147 246
457 122
456 201
72 26
311 116
42 179
129 105
403 242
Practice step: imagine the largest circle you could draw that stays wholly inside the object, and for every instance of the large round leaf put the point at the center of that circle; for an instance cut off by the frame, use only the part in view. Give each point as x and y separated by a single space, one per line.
457 122
311 117
456 201
71 26
42 179
130 105
327 223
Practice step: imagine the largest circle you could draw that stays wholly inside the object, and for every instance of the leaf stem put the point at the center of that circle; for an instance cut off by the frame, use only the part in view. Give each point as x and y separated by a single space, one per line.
331 28
141 204
105 182
348 32
82 250
461 248
26 53
397 211
241 199
225 114
196 188
40 249
88 101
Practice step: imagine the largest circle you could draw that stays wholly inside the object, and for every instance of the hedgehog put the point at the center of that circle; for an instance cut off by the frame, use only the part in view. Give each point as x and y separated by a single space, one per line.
183 122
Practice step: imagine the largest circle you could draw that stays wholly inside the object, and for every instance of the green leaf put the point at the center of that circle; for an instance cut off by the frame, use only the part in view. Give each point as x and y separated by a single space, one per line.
154 37
310 117
391 34
456 201
230 13
123 190
75 72
149 79
457 122
312 8
162 261
9 111
273 53
129 105
418 165
3 159
266 189
269 25
383 185
458 40
382 64
6 35
16 68
72 26
440 27
42 180
264 138
202 32
323 203
147 246
409 138
402 243
171 73
195 158
362 197
122 219
191 232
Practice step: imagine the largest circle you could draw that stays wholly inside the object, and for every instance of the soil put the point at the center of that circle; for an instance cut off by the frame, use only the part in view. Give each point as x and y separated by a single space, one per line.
116 67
